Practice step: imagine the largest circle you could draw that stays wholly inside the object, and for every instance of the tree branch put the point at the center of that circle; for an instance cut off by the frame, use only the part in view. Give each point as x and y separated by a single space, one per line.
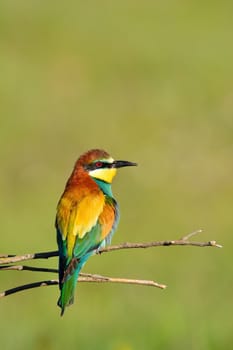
9 259
84 278
5 260
26 268
182 241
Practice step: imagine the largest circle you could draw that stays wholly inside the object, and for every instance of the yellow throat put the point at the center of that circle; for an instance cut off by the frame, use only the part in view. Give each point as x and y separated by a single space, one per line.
106 174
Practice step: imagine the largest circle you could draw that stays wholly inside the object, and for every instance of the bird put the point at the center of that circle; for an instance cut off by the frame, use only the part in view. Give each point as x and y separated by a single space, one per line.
86 218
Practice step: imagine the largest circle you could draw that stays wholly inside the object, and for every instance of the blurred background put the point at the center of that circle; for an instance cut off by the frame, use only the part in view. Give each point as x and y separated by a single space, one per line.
151 82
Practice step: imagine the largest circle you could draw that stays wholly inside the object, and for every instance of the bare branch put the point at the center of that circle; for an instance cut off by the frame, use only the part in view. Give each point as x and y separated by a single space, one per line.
27 268
5 260
98 278
160 244
84 278
189 235
11 259
28 286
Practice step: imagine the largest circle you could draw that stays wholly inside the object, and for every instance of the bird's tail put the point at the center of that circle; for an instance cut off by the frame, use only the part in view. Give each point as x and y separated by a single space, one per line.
68 284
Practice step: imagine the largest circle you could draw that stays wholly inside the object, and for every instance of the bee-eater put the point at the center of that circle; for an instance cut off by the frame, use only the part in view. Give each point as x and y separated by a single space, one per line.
87 216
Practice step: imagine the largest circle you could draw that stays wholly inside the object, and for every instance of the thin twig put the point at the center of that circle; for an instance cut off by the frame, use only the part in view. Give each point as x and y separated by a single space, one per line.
28 286
9 259
84 278
159 244
189 235
87 277
27 268
99 278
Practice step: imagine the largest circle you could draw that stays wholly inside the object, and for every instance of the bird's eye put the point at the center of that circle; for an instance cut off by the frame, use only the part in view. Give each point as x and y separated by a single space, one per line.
98 164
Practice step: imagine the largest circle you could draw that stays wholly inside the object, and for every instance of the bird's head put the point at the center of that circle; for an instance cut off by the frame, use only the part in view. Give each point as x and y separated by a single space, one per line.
100 165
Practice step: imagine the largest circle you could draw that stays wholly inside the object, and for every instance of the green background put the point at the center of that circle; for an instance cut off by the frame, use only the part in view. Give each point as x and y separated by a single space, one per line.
149 81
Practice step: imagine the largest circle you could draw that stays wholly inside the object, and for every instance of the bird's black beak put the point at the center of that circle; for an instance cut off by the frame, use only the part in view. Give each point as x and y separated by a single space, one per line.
122 163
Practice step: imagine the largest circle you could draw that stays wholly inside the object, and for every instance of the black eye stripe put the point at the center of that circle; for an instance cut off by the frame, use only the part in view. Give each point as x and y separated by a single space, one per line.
94 166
